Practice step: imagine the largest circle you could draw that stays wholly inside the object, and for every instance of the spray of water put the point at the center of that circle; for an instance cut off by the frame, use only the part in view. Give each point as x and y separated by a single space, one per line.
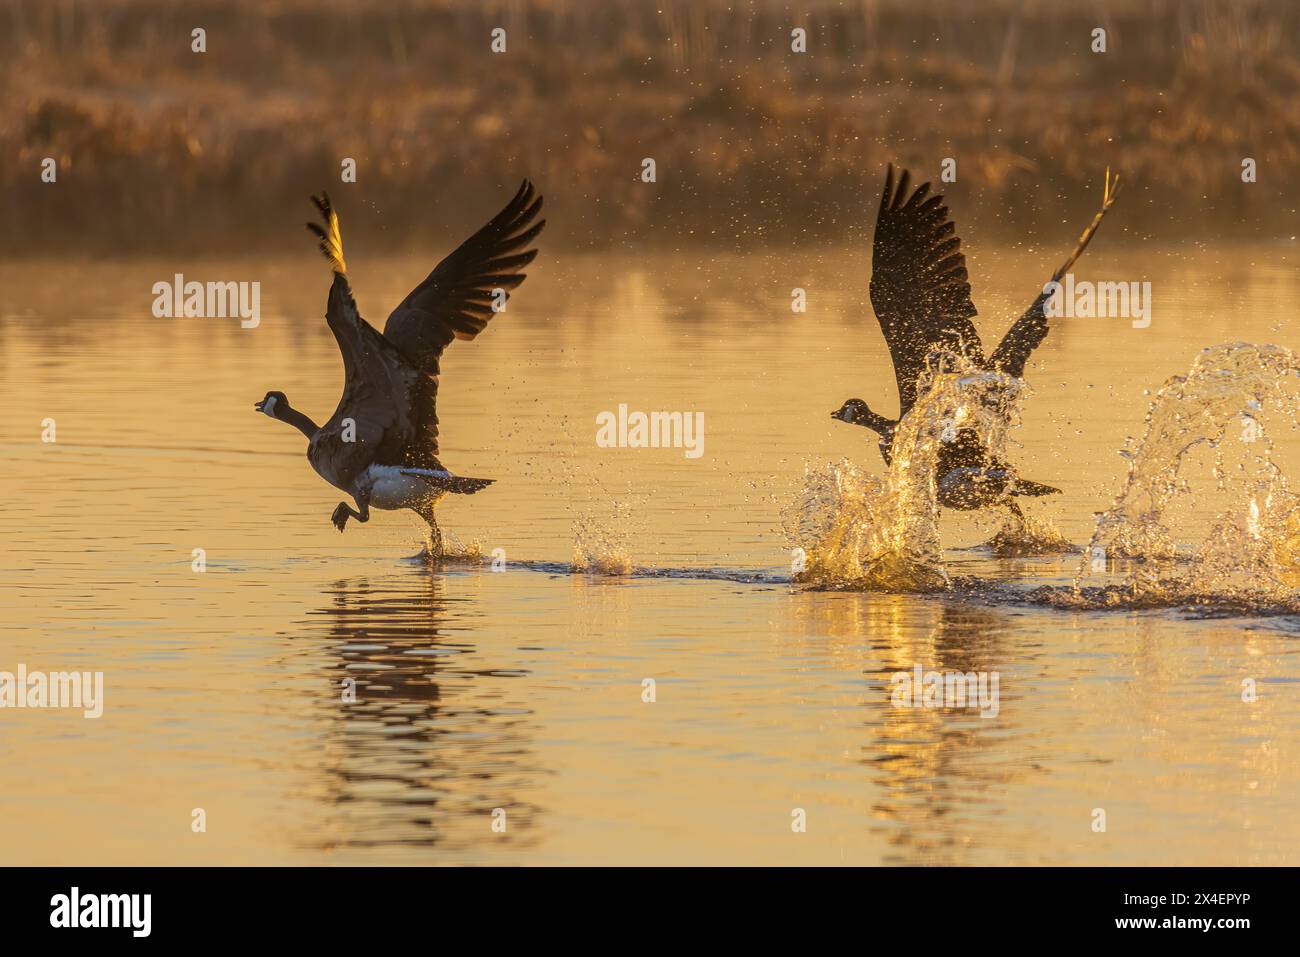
1228 403
453 549
855 531
1031 535
601 547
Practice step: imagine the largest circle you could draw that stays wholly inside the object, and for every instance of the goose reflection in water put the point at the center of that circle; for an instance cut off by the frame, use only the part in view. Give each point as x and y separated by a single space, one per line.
937 778
944 771
434 741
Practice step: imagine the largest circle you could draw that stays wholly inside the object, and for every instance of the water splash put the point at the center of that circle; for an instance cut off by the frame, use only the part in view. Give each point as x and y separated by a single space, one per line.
1251 554
454 550
828 526
601 548
1029 536
855 531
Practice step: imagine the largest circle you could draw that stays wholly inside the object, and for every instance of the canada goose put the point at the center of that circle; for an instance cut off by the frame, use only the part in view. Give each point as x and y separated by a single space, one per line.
381 444
920 293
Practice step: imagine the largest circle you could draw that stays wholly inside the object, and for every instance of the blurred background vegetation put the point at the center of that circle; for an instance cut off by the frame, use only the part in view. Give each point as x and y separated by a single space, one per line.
160 148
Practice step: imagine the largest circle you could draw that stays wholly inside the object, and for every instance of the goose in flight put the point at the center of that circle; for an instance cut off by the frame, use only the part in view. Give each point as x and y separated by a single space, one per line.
920 293
381 444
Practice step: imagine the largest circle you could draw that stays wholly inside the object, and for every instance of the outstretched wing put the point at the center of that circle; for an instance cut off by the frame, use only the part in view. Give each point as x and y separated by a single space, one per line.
1031 329
455 301
389 402
920 290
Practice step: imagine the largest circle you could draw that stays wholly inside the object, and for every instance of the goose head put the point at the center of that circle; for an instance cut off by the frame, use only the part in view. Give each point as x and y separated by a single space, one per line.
275 405
855 412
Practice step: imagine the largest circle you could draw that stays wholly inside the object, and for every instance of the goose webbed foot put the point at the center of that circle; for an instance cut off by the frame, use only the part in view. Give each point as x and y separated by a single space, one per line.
346 511
341 516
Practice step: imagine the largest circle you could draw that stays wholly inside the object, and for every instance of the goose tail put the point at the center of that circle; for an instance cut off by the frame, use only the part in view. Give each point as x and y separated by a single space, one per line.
467 486
444 481
1025 487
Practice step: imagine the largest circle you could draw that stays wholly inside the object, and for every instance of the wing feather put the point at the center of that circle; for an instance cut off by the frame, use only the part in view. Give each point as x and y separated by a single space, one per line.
455 300
390 403
1031 329
920 289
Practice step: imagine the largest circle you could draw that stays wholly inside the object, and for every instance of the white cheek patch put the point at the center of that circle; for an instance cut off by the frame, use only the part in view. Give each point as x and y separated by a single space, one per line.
269 406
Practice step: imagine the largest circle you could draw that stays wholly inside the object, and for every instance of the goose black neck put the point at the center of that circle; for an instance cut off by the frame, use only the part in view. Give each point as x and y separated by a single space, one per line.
299 421
876 423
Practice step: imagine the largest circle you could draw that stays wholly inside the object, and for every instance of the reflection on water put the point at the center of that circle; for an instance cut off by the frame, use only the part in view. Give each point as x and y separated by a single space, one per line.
422 743
941 771
524 689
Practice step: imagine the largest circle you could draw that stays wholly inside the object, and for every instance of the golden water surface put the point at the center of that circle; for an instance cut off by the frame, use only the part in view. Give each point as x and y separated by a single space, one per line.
523 690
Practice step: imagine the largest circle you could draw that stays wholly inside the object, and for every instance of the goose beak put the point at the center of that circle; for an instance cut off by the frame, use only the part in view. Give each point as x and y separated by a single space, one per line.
260 405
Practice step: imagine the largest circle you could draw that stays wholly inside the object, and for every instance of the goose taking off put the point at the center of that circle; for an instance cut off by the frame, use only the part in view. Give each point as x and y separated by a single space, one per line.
381 444
920 292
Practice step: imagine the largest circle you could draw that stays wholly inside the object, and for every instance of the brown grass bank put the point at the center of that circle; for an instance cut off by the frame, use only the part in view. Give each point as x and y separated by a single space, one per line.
160 148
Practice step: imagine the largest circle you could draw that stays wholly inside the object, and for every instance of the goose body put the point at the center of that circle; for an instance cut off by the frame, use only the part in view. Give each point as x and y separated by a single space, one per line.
381 444
920 293
393 487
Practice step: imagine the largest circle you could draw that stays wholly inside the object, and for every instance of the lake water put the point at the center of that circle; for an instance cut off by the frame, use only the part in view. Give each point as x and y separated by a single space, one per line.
522 690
